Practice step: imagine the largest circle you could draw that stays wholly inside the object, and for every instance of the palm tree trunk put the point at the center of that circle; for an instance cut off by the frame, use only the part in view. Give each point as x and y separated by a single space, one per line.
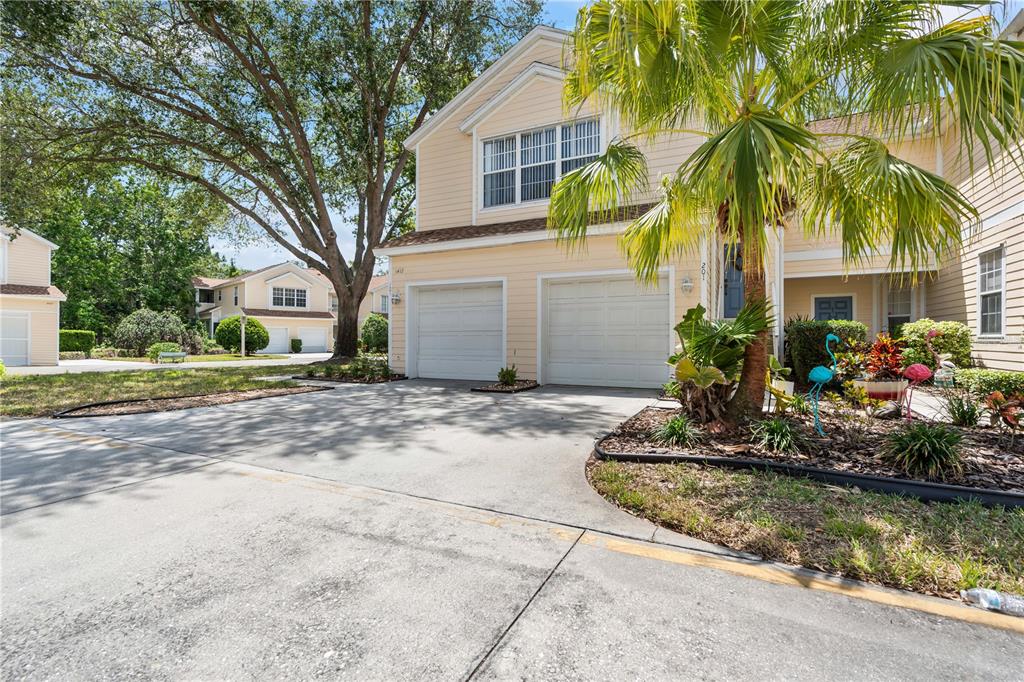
748 401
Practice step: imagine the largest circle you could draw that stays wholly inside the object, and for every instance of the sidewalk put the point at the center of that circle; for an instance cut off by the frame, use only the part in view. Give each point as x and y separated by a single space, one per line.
93 365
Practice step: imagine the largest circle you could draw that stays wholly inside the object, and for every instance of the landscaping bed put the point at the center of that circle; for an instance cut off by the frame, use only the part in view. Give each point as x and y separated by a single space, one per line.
890 540
518 386
117 407
352 379
992 460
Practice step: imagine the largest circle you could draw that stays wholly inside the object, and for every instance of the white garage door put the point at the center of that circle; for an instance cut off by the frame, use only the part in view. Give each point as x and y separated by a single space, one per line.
605 332
458 331
14 328
314 340
278 340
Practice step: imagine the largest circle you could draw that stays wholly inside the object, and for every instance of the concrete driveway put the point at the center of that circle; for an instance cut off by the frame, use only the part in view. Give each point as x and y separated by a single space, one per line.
97 365
405 531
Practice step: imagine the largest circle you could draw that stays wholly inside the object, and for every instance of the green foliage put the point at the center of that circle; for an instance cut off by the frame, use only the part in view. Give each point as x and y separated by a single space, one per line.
679 431
953 339
923 449
154 351
3 369
885 359
72 355
144 327
962 408
805 342
799 404
776 370
507 376
375 333
82 340
981 382
720 343
776 434
296 345
229 334
366 366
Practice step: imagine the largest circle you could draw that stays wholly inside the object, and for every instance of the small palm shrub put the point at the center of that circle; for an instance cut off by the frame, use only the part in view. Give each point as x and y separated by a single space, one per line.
922 449
154 351
962 408
679 431
776 435
507 376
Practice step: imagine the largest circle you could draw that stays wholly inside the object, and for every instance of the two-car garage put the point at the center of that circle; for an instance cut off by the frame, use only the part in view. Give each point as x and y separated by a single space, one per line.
594 330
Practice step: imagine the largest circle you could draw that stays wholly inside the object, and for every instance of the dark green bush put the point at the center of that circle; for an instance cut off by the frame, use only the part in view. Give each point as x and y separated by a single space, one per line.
375 333
144 327
923 449
953 338
154 351
507 376
981 382
368 367
229 334
296 345
679 431
776 434
805 342
81 340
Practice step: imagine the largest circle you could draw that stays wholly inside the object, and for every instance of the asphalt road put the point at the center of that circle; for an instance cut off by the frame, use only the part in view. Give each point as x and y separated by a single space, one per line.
402 531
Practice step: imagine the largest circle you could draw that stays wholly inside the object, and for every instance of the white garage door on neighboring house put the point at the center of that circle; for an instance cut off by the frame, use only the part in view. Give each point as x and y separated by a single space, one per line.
278 340
314 339
458 331
14 333
608 331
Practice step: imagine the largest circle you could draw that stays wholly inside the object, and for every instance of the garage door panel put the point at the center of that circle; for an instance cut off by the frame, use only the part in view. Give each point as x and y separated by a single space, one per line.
314 339
14 338
459 331
278 340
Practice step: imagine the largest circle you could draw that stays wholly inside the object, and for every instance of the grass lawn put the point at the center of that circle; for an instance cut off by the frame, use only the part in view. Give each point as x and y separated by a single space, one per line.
40 395
208 358
936 549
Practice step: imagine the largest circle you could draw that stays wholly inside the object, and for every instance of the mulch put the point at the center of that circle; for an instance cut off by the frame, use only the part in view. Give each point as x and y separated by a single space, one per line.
181 403
353 380
520 386
992 460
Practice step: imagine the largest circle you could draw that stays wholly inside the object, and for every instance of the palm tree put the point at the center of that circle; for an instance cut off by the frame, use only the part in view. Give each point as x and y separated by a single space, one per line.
753 78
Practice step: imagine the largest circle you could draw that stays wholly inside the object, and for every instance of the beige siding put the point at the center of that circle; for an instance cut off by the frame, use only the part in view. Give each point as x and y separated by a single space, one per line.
44 321
371 302
28 261
520 264
257 290
800 293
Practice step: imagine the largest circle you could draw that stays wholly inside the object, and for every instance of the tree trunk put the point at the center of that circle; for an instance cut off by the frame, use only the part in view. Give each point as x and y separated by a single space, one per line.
748 402
346 341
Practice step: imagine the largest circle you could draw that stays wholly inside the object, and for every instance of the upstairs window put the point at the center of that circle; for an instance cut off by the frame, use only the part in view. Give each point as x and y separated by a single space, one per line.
205 295
524 167
384 303
236 296
990 293
284 297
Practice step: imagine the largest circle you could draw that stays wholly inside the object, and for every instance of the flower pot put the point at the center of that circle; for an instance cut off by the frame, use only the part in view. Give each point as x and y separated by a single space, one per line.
883 390
787 387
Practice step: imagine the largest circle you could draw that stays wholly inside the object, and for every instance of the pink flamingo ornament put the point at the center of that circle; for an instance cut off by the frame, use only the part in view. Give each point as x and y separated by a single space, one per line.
916 373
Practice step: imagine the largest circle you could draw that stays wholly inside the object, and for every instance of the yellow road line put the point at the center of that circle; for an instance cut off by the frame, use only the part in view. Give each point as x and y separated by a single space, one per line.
781 575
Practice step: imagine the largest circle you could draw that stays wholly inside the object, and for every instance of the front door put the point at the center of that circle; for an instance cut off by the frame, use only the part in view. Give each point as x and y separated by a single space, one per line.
732 281
833 308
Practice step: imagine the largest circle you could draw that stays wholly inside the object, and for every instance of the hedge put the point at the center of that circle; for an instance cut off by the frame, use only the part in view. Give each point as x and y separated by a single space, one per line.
805 342
375 333
144 327
981 382
229 334
81 340
296 345
953 338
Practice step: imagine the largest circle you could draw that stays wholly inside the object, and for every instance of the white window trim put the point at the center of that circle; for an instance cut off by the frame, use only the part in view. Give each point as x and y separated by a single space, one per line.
1001 248
382 303
478 172
270 298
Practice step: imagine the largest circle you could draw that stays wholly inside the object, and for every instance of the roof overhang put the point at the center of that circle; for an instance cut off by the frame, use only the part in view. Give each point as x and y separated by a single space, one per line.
9 234
527 76
495 240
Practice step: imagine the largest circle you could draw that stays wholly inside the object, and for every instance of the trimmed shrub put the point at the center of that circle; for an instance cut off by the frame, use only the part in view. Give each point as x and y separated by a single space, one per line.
296 345
72 355
81 340
805 342
922 449
507 376
375 333
229 334
981 382
154 351
953 338
144 327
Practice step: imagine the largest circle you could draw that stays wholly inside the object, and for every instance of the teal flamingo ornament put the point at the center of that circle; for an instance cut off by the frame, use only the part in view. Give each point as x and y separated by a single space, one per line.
820 376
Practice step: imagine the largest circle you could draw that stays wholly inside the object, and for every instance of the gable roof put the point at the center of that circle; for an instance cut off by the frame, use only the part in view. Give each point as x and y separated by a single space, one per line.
304 273
207 282
377 282
23 232
536 35
525 77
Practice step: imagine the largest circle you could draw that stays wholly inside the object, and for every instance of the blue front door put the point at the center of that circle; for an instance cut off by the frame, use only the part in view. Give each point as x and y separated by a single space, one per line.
732 281
833 308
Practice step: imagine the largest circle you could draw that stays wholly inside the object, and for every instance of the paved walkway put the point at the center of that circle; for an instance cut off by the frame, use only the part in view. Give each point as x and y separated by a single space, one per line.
95 365
406 531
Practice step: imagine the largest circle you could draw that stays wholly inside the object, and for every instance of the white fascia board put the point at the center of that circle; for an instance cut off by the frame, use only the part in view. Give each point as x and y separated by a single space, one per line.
32 297
9 233
496 240
529 40
533 71
294 270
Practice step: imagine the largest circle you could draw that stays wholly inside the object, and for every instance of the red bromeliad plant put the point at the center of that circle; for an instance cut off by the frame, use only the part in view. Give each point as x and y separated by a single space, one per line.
1008 410
885 359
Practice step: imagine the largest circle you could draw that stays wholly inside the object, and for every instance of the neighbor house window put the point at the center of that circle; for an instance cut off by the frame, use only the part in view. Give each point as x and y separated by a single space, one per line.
990 292
899 309
220 295
205 296
384 303
524 167
284 297
236 295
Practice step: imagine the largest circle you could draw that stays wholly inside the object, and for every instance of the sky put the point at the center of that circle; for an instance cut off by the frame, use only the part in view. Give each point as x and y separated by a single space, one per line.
560 13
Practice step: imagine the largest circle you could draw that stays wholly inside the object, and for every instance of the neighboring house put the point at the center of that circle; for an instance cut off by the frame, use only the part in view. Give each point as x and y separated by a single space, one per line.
481 283
377 299
292 302
29 303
